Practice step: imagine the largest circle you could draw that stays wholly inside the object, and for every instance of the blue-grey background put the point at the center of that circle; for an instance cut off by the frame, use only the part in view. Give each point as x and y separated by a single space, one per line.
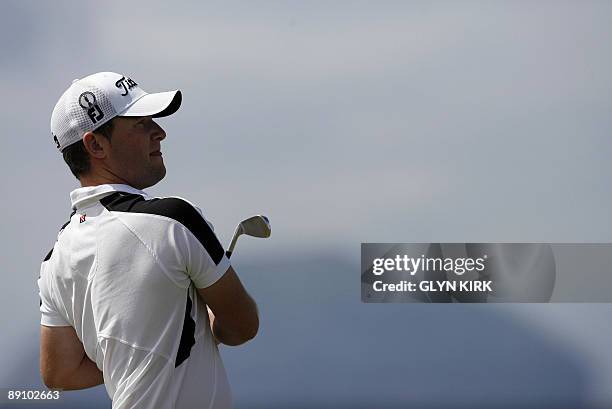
344 122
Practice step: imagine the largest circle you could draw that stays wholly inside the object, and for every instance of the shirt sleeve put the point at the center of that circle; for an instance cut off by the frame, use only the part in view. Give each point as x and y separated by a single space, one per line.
199 248
50 315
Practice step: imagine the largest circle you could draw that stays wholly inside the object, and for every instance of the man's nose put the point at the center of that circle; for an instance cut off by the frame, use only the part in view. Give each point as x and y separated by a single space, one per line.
158 132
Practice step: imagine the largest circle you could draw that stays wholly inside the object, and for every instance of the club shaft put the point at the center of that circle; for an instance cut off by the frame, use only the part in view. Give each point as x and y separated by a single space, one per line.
237 234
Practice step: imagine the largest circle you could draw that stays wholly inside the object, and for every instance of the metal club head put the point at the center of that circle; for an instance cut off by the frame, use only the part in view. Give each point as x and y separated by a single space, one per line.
254 226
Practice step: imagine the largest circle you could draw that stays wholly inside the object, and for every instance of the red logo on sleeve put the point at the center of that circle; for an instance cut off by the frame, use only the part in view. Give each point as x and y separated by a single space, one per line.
82 218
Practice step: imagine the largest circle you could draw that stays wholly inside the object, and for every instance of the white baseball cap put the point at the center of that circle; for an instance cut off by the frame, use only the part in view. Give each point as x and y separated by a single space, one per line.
92 101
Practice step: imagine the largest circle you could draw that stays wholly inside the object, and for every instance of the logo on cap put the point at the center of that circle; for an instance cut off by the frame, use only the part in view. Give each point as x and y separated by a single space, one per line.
56 140
127 83
87 100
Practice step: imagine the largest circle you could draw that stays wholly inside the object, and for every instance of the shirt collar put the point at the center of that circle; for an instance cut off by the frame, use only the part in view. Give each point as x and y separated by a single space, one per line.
84 196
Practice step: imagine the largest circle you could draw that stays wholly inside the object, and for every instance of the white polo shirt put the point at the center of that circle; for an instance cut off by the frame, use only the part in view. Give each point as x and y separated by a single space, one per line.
124 273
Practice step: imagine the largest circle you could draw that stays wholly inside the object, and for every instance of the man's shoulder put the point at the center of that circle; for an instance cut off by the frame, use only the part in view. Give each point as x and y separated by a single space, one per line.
50 253
174 208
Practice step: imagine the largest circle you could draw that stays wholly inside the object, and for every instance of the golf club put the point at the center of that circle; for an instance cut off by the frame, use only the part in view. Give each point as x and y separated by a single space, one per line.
254 226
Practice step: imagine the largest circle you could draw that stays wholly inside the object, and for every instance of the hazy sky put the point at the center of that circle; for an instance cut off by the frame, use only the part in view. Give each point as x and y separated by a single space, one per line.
344 122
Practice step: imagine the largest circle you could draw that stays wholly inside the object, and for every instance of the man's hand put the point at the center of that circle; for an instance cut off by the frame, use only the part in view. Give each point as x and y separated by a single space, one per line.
211 320
63 363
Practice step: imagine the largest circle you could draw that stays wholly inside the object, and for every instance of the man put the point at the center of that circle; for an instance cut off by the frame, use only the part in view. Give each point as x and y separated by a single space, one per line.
137 291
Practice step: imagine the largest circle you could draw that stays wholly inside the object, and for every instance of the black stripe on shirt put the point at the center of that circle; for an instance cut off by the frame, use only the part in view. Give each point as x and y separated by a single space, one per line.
174 208
48 256
187 336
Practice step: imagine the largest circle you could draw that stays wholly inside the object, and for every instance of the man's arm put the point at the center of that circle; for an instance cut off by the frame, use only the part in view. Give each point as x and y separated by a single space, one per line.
196 250
63 362
235 313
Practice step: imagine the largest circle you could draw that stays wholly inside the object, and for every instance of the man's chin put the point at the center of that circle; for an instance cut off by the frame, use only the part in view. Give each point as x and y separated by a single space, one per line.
154 177
160 175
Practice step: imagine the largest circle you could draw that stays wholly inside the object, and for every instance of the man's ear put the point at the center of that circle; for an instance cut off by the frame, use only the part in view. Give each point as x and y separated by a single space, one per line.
96 145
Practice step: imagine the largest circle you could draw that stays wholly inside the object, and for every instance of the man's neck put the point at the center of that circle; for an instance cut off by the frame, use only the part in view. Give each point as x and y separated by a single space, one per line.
95 180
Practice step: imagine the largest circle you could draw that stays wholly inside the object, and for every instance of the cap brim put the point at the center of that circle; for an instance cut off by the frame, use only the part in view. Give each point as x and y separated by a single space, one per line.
156 105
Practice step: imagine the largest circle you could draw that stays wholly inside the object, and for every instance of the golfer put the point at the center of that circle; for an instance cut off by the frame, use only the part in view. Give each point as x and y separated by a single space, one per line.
137 291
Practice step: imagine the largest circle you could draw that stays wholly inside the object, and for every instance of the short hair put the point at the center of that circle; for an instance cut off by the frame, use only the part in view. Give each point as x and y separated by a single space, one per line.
77 157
